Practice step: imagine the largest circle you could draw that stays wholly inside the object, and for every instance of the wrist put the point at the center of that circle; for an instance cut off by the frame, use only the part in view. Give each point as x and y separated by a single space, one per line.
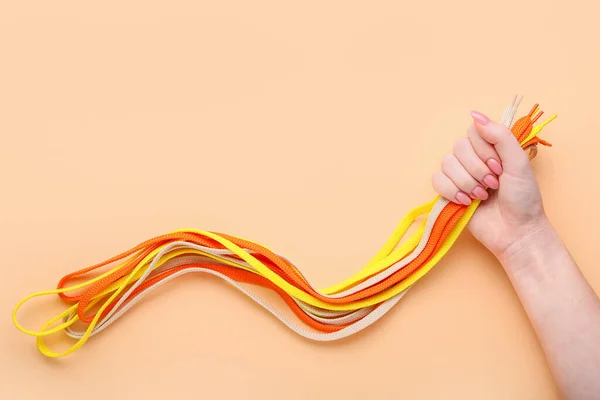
537 243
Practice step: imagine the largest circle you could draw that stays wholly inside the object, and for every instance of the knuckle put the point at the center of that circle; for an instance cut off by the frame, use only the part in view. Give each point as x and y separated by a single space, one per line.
440 183
447 161
478 177
502 131
467 184
484 151
437 177
461 145
435 181
471 131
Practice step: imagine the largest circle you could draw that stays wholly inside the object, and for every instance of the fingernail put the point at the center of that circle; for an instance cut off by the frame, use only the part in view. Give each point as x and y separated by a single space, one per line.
491 182
495 166
480 118
463 198
480 193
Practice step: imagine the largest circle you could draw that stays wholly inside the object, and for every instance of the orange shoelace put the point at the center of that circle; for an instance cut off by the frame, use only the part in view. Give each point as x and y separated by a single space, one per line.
331 313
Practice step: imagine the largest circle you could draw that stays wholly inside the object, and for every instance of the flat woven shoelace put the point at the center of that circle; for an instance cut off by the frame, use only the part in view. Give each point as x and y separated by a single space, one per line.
329 314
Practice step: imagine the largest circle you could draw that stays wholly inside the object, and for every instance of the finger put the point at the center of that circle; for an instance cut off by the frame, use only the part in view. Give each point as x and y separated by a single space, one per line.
466 155
446 188
485 151
454 170
513 158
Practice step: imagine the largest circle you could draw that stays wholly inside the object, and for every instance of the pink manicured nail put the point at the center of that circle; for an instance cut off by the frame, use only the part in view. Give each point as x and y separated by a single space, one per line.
463 198
491 182
480 118
480 193
495 166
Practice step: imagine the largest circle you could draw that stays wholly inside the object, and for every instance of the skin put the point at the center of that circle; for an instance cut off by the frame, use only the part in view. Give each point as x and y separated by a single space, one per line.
511 223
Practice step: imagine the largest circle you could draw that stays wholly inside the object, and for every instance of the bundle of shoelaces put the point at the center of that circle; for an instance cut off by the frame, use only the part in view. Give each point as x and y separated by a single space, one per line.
328 314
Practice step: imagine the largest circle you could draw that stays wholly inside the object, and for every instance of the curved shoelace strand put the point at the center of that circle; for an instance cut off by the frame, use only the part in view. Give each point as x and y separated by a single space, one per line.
332 313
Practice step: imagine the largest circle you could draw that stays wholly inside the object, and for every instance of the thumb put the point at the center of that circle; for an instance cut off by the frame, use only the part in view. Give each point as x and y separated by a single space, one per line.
514 159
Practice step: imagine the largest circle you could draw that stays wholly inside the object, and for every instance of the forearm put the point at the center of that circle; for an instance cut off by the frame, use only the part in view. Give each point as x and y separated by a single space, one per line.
562 307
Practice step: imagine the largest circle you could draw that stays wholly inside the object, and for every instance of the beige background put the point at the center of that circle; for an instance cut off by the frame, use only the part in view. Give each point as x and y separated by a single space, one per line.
303 126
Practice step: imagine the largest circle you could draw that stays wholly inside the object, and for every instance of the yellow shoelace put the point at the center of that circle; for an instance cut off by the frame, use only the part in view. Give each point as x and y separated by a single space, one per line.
332 313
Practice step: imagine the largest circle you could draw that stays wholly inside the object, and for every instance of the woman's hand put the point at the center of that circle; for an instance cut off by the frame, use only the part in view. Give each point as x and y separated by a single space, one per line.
490 165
